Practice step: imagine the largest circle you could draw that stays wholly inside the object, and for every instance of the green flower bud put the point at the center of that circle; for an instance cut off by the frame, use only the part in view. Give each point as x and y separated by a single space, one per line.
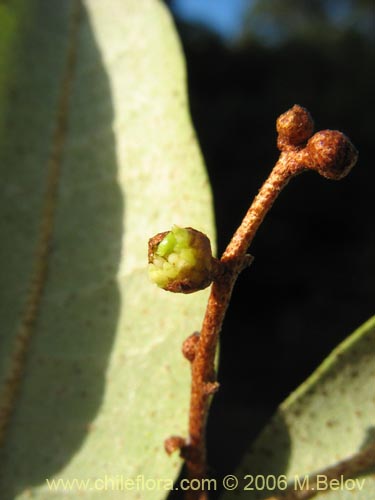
180 260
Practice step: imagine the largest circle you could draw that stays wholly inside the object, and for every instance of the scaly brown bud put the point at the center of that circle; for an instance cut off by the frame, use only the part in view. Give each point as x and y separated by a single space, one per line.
181 260
331 154
294 128
189 346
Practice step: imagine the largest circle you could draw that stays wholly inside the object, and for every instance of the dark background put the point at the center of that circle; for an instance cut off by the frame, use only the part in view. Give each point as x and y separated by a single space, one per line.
312 281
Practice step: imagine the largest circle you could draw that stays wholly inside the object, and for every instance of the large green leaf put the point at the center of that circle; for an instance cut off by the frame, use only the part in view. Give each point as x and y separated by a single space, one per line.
95 96
330 418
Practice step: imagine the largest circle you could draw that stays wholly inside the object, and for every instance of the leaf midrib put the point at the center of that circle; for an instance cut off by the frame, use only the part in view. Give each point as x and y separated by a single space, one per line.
29 315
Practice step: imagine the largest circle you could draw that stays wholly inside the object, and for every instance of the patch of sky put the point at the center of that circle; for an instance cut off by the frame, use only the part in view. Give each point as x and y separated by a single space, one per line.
224 17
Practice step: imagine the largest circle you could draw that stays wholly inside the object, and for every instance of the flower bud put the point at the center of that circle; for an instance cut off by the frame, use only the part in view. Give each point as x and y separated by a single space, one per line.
294 127
180 260
331 154
190 345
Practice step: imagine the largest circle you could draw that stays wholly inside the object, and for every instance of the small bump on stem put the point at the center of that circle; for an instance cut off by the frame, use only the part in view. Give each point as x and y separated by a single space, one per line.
189 346
211 387
174 443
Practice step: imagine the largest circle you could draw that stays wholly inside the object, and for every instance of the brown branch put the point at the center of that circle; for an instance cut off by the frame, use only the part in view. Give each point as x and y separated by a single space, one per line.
203 370
332 155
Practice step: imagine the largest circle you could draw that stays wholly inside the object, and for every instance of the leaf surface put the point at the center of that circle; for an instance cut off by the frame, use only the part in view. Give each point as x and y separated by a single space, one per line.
96 95
328 419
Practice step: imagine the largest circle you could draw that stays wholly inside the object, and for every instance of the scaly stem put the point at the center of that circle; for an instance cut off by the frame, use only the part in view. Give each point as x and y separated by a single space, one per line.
203 370
332 155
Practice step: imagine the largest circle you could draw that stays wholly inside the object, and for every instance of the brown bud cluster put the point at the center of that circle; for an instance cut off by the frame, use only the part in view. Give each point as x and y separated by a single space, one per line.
328 152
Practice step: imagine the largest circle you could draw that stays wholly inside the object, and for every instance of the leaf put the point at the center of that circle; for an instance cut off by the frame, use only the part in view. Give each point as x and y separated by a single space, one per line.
329 418
98 154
